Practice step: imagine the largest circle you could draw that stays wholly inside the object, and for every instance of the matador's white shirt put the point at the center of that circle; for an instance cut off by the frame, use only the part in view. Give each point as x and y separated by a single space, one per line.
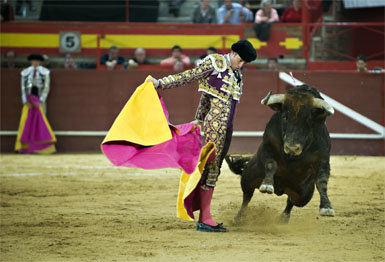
38 77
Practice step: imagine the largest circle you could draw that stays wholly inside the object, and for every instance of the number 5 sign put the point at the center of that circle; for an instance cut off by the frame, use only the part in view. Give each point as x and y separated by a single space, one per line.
70 42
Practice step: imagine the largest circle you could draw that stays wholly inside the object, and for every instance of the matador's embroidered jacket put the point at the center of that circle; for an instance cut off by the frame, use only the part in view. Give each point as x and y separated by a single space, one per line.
222 88
215 77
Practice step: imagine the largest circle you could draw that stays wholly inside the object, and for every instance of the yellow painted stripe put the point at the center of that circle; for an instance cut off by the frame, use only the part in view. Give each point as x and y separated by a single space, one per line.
122 41
29 40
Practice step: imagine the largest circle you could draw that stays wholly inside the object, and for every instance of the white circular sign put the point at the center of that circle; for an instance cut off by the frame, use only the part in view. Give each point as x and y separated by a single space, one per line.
70 42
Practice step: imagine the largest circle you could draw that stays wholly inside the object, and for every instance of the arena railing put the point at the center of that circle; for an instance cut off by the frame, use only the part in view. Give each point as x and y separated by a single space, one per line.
341 43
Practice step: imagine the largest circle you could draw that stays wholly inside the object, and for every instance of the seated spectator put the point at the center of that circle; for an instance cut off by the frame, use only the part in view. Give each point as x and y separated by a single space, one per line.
272 64
231 13
204 13
292 14
69 63
209 51
361 64
174 6
5 10
177 60
112 60
139 59
263 18
10 56
19 5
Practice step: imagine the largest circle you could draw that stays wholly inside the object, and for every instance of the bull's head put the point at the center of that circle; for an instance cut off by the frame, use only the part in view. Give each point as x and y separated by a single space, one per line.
300 113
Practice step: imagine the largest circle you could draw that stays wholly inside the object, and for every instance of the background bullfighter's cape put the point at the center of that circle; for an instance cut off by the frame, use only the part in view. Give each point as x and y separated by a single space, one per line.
142 137
35 134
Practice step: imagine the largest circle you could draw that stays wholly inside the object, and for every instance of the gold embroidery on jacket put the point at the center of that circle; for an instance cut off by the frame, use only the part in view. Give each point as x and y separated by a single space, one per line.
229 89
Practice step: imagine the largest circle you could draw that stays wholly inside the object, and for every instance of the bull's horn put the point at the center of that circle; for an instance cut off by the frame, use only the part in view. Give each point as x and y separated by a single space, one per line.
263 101
273 99
320 103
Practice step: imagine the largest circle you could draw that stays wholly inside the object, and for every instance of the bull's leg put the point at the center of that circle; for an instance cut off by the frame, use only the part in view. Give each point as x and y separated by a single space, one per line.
322 187
285 216
246 199
248 185
268 183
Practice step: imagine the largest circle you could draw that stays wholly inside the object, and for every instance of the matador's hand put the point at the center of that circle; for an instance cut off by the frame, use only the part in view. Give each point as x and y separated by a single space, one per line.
154 81
197 123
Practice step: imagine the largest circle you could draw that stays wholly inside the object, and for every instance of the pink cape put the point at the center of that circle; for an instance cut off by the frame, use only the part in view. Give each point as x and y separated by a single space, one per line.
182 151
35 133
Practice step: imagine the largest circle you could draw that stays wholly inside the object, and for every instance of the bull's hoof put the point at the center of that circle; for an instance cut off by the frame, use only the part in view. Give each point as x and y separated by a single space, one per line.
266 189
327 212
283 218
237 219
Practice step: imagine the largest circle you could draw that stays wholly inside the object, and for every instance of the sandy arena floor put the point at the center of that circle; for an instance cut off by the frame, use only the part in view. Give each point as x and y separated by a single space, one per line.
78 207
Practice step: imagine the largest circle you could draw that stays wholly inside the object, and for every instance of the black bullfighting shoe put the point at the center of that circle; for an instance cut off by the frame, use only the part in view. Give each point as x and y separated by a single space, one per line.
207 228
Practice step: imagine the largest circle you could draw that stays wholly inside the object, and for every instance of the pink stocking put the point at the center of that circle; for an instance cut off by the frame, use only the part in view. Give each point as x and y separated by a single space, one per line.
205 200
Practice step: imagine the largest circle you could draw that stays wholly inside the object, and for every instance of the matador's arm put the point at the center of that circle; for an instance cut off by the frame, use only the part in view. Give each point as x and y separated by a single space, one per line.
44 93
188 76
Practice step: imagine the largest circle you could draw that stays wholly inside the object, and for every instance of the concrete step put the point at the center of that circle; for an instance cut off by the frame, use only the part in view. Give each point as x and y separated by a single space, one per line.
171 19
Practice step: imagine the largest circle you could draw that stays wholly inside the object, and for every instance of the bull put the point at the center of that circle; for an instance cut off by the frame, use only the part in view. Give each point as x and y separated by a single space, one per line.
294 156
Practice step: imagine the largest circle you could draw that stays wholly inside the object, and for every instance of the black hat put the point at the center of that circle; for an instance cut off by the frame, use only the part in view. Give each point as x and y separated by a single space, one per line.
36 57
245 50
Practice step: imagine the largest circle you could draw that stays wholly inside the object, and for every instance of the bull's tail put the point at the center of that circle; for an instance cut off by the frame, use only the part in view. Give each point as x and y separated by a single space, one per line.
237 163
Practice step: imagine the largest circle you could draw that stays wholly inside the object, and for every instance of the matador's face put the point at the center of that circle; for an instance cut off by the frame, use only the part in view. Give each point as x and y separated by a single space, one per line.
236 61
35 63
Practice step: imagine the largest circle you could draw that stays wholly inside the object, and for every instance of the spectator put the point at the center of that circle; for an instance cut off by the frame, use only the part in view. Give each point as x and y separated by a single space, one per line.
231 13
209 51
139 59
292 14
361 64
263 18
177 60
5 10
174 7
69 63
19 5
272 64
112 60
204 13
10 59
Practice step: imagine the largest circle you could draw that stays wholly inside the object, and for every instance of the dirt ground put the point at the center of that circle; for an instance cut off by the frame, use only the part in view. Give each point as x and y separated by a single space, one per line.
78 207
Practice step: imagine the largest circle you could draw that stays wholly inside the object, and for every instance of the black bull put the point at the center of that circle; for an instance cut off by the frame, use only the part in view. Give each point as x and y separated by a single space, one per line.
294 155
